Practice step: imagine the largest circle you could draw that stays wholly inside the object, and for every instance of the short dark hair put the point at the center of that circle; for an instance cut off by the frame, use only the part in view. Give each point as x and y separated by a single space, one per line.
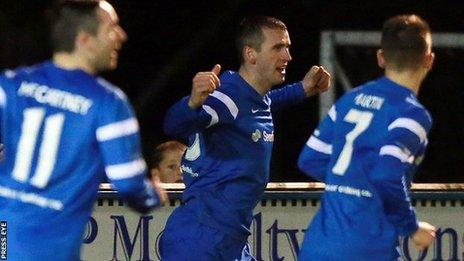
70 17
404 41
250 32
162 148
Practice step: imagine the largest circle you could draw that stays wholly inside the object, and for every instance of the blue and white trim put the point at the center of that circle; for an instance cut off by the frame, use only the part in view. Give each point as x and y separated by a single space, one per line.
213 114
117 129
333 113
411 125
230 104
2 97
126 170
396 152
318 145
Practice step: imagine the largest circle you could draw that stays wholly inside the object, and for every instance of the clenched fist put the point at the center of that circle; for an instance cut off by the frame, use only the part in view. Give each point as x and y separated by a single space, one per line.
317 80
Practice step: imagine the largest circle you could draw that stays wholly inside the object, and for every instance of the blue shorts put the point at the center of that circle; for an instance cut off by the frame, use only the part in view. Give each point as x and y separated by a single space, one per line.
184 238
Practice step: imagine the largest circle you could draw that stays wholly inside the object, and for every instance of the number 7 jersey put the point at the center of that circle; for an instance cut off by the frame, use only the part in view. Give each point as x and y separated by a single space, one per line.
366 151
62 130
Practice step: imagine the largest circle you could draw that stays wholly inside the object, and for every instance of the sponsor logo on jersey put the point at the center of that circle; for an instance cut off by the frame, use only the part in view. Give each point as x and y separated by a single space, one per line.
31 198
256 135
267 137
347 190
189 171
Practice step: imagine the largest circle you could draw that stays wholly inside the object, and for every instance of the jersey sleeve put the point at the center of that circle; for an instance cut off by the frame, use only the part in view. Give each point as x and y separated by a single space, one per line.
5 81
391 175
286 96
219 108
2 107
118 138
315 156
415 163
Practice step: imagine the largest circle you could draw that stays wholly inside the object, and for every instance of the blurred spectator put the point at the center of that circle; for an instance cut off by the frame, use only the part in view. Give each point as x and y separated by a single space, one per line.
167 161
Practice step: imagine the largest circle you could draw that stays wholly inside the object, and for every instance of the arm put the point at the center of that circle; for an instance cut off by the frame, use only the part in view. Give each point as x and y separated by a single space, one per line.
204 108
315 156
2 106
415 164
316 80
286 96
405 139
119 143
181 120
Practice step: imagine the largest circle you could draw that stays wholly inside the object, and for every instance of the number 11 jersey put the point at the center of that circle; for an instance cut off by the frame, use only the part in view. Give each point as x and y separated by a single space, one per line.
62 130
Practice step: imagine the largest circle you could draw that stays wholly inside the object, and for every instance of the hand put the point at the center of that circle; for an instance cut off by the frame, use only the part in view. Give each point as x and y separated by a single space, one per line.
424 235
203 84
162 194
317 80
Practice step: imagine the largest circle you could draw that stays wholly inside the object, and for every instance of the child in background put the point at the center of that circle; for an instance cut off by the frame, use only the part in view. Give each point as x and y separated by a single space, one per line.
167 161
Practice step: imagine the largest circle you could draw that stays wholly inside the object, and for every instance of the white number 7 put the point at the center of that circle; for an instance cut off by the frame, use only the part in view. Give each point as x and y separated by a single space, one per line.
33 118
362 120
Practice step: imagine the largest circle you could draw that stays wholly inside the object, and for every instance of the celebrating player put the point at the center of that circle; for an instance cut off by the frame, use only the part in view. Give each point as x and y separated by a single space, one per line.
62 129
228 122
366 151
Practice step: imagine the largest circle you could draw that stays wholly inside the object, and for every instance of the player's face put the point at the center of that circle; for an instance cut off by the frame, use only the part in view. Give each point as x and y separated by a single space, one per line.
169 167
274 56
109 38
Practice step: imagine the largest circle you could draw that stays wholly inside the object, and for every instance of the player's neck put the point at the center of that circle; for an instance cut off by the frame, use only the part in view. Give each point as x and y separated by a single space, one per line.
254 81
71 61
408 79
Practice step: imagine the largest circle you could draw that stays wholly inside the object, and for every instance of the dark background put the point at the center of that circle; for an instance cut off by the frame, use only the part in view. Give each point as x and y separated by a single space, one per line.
169 41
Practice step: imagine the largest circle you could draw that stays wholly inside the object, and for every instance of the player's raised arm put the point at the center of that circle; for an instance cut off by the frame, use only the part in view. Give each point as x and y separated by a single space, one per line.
316 80
205 107
203 84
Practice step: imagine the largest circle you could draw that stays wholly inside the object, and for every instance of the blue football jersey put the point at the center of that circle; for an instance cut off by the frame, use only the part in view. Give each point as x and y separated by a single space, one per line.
62 130
365 150
226 167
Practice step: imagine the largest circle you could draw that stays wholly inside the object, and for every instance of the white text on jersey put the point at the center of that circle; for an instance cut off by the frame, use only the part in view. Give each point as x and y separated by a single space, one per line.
369 101
55 97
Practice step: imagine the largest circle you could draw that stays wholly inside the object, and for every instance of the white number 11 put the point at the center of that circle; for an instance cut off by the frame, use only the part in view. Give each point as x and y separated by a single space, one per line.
362 120
33 119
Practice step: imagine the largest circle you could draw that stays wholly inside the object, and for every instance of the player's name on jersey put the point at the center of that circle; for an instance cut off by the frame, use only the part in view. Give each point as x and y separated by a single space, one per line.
56 98
369 101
